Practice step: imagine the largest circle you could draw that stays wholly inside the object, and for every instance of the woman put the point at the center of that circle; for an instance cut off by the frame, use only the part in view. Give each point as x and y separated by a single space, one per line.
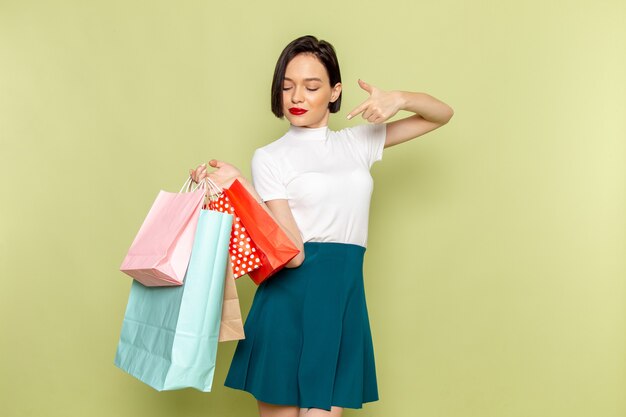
308 348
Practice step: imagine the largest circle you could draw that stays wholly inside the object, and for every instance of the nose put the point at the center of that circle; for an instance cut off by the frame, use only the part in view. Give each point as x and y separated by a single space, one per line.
296 95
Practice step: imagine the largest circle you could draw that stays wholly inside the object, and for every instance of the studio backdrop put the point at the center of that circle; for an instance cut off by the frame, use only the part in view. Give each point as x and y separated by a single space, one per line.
495 269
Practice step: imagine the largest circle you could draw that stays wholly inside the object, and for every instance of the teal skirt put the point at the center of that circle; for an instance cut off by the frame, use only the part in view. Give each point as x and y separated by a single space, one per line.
308 341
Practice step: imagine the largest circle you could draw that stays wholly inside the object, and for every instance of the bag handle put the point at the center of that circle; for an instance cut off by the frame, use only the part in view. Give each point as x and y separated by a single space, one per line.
212 191
189 186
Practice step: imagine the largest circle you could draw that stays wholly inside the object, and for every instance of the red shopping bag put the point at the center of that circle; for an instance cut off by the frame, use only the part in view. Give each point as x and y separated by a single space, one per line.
244 255
275 247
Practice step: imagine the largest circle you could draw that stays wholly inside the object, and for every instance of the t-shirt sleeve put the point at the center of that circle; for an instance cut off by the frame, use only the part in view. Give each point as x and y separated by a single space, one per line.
266 177
371 139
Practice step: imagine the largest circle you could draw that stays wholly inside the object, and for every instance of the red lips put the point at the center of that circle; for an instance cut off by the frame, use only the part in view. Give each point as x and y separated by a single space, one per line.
297 111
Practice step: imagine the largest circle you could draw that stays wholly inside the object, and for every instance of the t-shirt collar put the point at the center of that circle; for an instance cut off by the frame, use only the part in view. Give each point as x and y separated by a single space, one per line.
308 133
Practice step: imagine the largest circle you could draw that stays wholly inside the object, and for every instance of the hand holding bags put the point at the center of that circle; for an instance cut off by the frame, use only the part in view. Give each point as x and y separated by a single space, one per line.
160 253
275 246
169 335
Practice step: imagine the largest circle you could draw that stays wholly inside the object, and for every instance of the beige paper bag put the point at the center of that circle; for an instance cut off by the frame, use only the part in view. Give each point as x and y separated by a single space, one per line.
231 326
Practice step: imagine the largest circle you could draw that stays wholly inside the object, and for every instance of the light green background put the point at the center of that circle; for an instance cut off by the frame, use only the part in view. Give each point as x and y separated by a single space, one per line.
495 272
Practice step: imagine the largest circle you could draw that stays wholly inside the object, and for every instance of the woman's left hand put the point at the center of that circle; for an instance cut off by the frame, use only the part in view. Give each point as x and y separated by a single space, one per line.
380 106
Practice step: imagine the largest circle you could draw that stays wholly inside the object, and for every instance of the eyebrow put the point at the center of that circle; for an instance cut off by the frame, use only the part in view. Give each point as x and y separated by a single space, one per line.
306 79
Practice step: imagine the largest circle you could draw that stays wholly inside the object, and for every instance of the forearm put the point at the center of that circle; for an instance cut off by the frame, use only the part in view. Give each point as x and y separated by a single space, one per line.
297 240
425 106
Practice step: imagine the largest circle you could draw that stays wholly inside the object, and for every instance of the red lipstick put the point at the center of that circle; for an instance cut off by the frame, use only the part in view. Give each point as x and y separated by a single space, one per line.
297 111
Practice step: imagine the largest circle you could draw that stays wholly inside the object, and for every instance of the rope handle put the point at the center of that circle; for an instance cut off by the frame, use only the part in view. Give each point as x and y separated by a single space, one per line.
190 186
212 191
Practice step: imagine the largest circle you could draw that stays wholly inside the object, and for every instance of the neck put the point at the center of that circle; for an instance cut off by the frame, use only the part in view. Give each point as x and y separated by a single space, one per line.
302 132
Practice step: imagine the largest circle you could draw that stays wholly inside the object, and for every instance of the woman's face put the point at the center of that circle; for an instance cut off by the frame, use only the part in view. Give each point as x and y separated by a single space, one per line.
307 92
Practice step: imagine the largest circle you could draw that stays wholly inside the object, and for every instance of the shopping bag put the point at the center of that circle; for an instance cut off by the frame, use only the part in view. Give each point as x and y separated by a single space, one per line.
243 252
169 334
275 247
231 326
159 254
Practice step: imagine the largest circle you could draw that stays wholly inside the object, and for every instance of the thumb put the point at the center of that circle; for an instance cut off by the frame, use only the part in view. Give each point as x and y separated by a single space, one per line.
365 86
215 163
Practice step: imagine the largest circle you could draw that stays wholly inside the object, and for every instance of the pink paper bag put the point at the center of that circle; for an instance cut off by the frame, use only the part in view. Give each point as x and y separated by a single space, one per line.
160 253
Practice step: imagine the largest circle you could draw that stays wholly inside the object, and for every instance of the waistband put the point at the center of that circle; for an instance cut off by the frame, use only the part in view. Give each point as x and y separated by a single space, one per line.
333 247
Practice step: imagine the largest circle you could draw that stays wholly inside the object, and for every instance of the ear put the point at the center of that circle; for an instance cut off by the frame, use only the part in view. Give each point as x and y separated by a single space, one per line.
335 92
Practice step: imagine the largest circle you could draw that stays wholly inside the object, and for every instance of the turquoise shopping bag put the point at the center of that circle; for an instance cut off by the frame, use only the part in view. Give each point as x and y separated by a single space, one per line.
169 334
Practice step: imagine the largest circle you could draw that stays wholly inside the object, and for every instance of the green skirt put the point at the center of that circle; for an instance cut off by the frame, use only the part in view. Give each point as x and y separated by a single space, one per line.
308 341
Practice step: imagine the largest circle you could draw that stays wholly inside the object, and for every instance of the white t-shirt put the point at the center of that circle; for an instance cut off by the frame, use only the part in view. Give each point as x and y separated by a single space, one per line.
325 177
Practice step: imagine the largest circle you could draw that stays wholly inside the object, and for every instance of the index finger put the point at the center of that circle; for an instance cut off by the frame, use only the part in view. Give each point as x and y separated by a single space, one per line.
359 109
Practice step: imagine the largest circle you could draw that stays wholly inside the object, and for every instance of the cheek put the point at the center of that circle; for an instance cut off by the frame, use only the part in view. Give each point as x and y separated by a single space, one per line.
320 100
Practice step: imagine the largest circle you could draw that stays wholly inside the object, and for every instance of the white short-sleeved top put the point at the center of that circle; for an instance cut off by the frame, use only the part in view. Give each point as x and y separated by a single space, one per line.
325 177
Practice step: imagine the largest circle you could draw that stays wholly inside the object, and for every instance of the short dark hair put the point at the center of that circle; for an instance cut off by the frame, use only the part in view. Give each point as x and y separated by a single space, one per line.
323 50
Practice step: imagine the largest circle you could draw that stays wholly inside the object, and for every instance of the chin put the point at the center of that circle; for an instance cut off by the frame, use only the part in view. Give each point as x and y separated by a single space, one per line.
299 123
303 121
312 118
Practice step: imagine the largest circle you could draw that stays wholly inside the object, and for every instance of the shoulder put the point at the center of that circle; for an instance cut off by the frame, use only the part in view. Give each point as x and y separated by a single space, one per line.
366 140
270 154
273 148
263 156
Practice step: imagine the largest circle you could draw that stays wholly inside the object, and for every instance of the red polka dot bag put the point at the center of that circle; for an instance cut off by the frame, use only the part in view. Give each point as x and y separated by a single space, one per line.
274 247
244 254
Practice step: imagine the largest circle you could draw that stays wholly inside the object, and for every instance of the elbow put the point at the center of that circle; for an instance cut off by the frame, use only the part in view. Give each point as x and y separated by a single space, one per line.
448 113
296 261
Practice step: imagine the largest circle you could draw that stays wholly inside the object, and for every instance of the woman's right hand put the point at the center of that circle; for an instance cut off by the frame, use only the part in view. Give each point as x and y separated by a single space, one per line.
198 174
223 176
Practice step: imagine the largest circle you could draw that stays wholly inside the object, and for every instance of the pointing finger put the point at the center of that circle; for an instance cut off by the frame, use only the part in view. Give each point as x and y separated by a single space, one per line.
368 113
358 109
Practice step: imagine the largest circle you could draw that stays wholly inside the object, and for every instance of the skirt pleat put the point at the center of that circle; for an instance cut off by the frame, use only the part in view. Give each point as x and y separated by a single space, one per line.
308 340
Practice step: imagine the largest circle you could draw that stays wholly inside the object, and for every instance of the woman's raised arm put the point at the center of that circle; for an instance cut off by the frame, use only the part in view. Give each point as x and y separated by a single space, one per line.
381 105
